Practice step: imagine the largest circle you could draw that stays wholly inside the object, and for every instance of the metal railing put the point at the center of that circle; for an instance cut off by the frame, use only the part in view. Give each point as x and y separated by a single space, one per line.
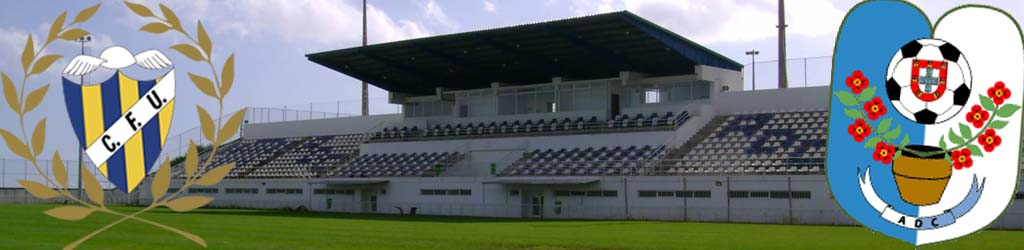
800 72
318 110
509 130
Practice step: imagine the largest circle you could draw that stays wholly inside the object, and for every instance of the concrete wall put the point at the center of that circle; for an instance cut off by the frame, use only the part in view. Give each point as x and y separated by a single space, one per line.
810 98
334 126
514 200
723 77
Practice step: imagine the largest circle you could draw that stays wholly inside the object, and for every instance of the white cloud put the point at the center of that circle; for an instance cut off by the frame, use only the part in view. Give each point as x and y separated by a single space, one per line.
12 41
435 14
588 7
489 7
322 22
727 20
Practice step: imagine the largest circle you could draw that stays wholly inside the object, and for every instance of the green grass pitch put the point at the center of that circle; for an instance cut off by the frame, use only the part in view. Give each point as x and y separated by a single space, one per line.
26 227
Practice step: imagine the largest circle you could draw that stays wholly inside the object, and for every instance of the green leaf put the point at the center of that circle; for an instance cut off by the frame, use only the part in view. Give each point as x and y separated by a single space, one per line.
975 150
942 142
867 94
884 125
998 124
955 139
871 142
846 98
853 113
895 133
897 155
1007 110
906 140
987 103
965 131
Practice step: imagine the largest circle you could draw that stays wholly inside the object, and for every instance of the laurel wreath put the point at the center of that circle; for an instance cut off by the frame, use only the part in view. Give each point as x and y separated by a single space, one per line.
30 148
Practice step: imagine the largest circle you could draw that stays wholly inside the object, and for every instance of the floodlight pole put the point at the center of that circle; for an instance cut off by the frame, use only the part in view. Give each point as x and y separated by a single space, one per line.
81 40
783 82
366 95
753 68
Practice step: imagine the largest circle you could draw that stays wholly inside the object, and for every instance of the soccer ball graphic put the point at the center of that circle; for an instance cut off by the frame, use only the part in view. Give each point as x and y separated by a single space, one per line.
928 81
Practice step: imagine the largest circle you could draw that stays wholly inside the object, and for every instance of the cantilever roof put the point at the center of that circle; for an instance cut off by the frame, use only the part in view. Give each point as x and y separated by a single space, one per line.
590 47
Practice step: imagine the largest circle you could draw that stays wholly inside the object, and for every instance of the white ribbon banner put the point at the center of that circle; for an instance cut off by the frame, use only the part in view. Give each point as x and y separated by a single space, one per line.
946 218
129 124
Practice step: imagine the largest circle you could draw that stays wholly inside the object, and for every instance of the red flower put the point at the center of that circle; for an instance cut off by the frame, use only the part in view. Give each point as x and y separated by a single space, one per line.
857 82
989 140
884 152
977 116
874 108
859 129
962 159
999 93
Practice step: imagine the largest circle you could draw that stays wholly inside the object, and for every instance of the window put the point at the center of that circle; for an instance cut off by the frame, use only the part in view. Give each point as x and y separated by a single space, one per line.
202 190
779 195
587 193
674 193
1019 196
739 194
513 193
771 194
172 190
652 96
425 109
284 191
801 194
325 191
449 192
241 190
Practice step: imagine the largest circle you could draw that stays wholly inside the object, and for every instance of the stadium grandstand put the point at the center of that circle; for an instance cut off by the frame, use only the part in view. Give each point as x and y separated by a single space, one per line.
607 116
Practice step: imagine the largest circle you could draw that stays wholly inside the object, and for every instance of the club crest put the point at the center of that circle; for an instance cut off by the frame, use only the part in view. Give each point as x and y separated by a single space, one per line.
122 123
925 123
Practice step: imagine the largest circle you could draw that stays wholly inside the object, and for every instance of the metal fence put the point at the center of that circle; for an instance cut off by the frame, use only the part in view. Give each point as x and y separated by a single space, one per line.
800 72
319 110
11 170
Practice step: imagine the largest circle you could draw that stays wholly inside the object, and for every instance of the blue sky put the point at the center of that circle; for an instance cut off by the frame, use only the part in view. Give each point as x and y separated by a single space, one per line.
271 37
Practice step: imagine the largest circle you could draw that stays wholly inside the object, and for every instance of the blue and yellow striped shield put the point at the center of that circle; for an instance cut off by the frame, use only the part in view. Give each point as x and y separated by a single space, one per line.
122 124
